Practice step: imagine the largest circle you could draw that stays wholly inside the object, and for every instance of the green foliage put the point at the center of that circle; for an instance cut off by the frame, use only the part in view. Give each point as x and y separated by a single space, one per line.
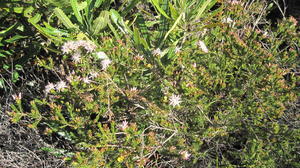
17 42
139 90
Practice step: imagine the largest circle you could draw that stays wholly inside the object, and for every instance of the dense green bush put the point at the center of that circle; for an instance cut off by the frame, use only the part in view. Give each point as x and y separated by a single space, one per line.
18 42
178 84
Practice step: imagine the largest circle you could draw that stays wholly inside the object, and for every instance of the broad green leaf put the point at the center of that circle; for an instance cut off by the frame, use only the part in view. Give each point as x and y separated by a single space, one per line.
81 36
5 53
2 83
28 11
89 11
98 3
19 9
82 5
44 32
35 19
6 67
15 76
215 12
60 3
117 19
2 55
115 16
63 18
76 11
101 22
18 67
54 31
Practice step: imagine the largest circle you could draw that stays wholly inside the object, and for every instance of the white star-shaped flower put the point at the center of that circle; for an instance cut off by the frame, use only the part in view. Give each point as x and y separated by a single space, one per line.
68 47
49 87
227 20
17 96
86 80
185 155
101 55
175 100
105 63
90 47
60 85
157 52
202 46
123 125
93 74
177 49
76 57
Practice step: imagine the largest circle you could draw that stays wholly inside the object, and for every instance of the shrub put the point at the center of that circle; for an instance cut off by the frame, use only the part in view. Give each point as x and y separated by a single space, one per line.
146 93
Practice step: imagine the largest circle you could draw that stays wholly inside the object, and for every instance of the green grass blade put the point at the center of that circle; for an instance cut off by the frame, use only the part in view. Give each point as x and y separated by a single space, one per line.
204 6
129 7
173 27
164 24
143 28
114 31
173 11
15 38
9 30
161 11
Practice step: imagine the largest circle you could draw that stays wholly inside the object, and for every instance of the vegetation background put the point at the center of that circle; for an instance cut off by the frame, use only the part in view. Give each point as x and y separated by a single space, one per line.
149 83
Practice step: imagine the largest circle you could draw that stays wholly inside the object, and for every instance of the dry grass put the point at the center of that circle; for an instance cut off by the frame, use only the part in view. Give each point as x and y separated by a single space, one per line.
21 147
